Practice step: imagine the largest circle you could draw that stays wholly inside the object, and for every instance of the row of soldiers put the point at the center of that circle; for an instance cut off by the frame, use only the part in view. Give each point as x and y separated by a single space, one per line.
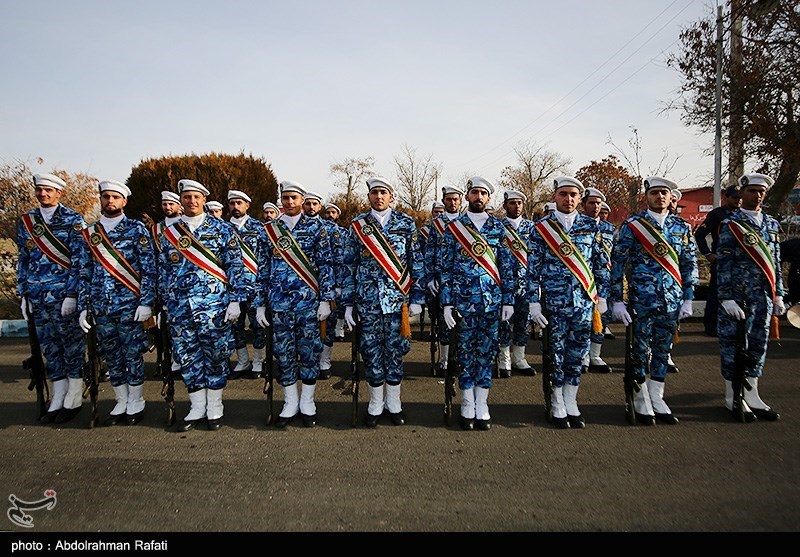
485 277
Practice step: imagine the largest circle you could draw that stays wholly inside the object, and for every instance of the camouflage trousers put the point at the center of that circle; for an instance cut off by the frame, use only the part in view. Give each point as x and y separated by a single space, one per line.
570 327
297 345
653 333
382 348
259 332
477 349
515 329
759 315
202 342
330 324
61 339
121 343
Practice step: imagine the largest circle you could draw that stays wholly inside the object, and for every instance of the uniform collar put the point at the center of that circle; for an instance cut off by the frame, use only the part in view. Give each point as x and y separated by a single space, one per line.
290 222
478 219
515 222
566 220
381 216
658 218
240 222
756 216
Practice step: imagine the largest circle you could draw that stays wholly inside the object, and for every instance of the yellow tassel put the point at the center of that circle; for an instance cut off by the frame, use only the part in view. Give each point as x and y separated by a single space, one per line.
677 338
333 306
405 324
775 328
597 322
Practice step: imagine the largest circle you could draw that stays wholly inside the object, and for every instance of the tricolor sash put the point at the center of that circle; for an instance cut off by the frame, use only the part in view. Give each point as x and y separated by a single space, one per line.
657 247
425 231
754 246
439 225
46 241
291 252
477 247
156 231
248 257
112 260
376 243
562 247
179 235
517 246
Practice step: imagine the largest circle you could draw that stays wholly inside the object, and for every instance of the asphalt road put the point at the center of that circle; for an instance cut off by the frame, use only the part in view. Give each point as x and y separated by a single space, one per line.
706 474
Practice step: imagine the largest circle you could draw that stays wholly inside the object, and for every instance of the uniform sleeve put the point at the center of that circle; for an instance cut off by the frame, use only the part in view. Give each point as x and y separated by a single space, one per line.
708 226
323 262
619 260
76 244
432 247
350 260
536 249
688 264
23 258
414 251
231 261
600 262
776 255
726 258
86 274
264 264
508 274
447 250
147 260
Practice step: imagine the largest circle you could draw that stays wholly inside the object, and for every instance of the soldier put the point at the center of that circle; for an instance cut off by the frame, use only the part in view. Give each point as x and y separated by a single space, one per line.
518 230
214 209
568 263
269 212
296 279
710 227
424 238
49 245
383 283
201 286
749 275
591 204
660 250
605 211
478 283
252 241
451 199
118 287
549 209
332 213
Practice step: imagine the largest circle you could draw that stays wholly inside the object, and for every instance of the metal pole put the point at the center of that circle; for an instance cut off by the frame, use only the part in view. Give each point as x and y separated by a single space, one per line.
718 116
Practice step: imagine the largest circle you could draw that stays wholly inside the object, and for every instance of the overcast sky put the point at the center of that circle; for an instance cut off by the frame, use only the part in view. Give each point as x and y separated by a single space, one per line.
97 86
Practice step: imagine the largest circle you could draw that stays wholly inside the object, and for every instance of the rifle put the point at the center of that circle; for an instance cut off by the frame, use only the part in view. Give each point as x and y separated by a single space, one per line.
268 387
450 376
739 381
91 370
629 378
433 311
422 321
547 372
35 366
354 371
164 362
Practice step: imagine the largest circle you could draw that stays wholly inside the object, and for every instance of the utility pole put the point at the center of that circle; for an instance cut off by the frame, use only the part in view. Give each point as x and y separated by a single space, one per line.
718 116
736 101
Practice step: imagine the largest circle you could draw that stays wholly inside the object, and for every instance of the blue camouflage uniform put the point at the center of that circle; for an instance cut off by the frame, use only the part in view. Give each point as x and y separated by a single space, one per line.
478 299
740 279
378 300
607 233
565 302
336 237
433 258
518 324
46 284
121 341
653 294
251 233
293 304
196 303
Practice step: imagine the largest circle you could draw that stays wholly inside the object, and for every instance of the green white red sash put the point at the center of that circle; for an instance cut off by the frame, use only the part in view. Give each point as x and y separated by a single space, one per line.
111 258
754 246
156 231
517 246
248 257
425 231
179 235
562 247
288 248
439 225
376 243
657 247
477 247
46 241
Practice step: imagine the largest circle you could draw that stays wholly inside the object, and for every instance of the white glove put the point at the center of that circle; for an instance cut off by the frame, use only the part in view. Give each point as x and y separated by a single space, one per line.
143 313
621 313
233 312
733 309
778 308
337 293
506 313
158 318
433 288
348 317
602 305
261 316
24 307
323 311
535 309
686 309
68 306
448 317
84 322
414 309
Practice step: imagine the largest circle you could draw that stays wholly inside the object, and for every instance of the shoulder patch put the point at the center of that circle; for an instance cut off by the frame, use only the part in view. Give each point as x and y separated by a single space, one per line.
143 240
232 243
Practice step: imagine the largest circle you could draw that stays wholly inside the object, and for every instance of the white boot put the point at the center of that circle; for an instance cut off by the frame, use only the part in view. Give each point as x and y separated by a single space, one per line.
518 360
244 360
662 412
58 394
214 408
758 406
325 357
482 404
199 402
468 404
571 400
444 351
291 401
121 396
135 399
175 365
557 407
307 405
339 331
393 403
641 401
596 363
504 358
376 401
259 354
74 396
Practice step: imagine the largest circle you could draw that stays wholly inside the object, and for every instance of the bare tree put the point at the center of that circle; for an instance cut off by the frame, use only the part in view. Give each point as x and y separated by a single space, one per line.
350 175
633 158
417 176
535 168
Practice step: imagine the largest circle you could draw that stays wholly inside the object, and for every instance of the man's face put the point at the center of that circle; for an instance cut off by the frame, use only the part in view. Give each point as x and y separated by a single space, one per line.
311 207
380 198
111 203
437 211
270 214
216 213
292 203
753 197
332 214
238 207
591 206
733 202
673 204
192 203
567 198
658 199
477 199
47 196
603 214
452 202
170 208
513 208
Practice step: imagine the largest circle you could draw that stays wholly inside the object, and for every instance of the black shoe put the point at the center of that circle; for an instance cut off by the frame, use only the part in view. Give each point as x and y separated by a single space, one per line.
371 420
605 368
114 419
576 422
530 372
467 424
504 373
309 420
50 417
282 422
398 418
215 424
584 370
441 371
766 414
645 419
255 375
188 425
133 419
324 374
667 419
66 414
747 417
483 425
560 423
672 368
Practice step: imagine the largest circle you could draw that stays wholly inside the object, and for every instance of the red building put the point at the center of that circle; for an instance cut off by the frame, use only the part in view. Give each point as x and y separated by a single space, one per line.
695 204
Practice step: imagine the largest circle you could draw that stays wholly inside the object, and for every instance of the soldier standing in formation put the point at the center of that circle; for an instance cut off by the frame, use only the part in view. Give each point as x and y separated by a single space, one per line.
382 289
750 290
660 250
478 284
269 211
567 279
332 213
49 244
214 209
118 289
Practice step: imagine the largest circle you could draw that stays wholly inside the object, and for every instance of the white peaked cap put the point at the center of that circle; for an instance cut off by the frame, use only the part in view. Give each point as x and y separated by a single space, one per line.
313 195
236 194
330 205
452 189
170 196
593 192
49 180
111 185
658 182
289 185
514 194
437 205
756 180
378 182
270 205
677 194
566 181
480 182
214 206
605 206
191 185
549 206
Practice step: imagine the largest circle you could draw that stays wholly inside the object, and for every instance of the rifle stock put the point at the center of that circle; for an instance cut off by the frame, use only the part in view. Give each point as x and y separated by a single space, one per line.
547 372
629 377
35 367
268 380
450 376
355 374
739 381
164 357
433 312
91 372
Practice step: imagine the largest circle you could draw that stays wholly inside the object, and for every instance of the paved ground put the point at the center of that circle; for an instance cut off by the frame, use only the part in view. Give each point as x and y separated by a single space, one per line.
706 474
